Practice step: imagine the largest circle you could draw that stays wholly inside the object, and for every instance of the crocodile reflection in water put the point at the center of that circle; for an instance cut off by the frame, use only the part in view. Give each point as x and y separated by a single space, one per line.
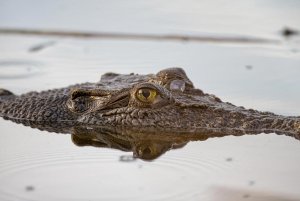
166 102
144 143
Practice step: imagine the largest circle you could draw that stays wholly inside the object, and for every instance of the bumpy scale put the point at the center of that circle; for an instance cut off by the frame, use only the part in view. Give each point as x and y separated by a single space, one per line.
166 100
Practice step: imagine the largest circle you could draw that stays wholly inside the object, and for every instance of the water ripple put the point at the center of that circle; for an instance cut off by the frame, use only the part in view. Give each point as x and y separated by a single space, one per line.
49 172
18 69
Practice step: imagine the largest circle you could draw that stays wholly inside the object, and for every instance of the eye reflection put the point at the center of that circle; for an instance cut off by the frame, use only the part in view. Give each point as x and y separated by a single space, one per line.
149 151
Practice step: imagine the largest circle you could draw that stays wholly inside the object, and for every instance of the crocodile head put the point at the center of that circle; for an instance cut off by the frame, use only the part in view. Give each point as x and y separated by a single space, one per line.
167 99
163 101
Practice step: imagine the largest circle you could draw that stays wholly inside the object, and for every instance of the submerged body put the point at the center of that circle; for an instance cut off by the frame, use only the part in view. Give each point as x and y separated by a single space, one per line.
166 100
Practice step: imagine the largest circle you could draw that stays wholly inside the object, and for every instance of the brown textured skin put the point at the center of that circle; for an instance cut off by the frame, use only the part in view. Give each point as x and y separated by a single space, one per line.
112 102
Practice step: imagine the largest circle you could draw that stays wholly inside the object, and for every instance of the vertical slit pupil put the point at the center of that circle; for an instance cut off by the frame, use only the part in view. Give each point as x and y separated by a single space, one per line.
146 93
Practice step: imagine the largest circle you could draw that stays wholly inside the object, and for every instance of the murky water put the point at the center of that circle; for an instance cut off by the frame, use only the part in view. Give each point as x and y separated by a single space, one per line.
38 165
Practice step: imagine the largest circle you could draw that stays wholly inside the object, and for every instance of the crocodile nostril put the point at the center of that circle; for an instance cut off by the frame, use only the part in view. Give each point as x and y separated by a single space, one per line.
77 93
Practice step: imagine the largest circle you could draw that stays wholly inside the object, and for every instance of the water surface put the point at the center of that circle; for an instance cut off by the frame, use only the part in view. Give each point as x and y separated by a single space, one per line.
38 165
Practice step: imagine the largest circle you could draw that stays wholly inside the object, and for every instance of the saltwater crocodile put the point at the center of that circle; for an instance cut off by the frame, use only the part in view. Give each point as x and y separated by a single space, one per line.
165 101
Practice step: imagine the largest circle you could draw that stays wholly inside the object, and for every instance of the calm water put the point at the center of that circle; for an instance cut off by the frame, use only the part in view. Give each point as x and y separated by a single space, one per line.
38 165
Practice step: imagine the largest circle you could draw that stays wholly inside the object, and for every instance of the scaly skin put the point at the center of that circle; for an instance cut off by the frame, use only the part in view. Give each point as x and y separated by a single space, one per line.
113 101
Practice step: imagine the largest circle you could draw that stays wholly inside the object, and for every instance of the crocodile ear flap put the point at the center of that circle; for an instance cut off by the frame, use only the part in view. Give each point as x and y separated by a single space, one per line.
177 85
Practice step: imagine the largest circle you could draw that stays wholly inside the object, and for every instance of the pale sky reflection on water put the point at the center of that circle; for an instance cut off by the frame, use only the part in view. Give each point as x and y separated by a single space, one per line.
260 167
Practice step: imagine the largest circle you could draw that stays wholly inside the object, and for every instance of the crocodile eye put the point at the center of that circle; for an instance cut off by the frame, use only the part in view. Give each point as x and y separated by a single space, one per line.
146 95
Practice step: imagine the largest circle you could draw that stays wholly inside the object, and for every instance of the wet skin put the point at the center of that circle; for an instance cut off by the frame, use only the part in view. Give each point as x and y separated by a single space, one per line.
164 103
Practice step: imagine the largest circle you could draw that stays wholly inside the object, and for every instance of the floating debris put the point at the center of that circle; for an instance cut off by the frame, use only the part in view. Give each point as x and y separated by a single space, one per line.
41 46
249 67
229 159
29 188
251 183
127 158
288 32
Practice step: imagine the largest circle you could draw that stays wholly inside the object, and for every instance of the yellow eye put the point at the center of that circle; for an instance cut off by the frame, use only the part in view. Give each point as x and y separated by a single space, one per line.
146 95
